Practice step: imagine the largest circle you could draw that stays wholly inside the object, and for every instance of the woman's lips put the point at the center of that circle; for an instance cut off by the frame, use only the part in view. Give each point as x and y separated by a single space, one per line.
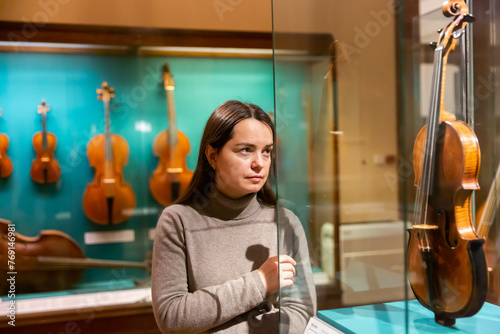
255 178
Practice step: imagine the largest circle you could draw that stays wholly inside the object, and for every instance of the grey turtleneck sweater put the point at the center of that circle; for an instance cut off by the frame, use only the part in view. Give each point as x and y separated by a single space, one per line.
205 261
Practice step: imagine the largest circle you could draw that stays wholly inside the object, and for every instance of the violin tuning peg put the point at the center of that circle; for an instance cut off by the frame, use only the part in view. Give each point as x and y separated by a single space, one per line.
99 91
433 45
458 33
440 30
469 18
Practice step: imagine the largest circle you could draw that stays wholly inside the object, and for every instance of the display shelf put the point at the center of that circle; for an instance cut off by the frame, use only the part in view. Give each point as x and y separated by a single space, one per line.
81 310
391 318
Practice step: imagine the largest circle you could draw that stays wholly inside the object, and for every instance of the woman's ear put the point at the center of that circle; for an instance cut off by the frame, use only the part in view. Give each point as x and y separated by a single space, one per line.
211 155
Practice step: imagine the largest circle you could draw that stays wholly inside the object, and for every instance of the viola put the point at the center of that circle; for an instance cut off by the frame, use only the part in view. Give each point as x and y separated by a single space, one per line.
45 168
171 178
5 162
446 260
108 199
50 261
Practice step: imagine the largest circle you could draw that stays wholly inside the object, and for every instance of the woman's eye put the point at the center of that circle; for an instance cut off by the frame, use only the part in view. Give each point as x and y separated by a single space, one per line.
246 150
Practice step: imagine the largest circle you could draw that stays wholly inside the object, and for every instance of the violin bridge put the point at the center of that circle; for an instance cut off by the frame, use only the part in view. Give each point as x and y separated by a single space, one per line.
425 227
45 159
108 181
175 170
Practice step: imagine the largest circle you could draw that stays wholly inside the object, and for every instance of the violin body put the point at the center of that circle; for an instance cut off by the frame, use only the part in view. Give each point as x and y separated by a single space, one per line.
458 277
45 168
108 199
5 162
171 177
33 277
50 261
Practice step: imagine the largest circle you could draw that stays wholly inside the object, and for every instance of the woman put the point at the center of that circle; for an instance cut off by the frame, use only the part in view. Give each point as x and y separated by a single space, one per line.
215 263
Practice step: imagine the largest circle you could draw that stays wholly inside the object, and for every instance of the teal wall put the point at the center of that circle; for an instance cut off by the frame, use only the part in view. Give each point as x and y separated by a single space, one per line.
68 83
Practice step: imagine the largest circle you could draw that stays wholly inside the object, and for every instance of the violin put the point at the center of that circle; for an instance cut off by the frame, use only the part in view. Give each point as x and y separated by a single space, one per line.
108 199
5 162
446 260
45 168
171 178
50 261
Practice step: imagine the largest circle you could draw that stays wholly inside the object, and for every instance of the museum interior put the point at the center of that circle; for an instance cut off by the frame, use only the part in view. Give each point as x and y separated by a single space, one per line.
378 106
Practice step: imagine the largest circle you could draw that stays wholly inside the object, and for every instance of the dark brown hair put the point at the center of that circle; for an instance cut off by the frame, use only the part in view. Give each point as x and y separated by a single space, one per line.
218 131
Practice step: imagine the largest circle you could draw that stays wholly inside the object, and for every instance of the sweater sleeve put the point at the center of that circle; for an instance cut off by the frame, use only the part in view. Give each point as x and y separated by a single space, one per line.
297 302
175 308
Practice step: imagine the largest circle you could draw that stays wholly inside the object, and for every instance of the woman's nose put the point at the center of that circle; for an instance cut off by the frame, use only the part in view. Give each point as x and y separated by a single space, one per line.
258 161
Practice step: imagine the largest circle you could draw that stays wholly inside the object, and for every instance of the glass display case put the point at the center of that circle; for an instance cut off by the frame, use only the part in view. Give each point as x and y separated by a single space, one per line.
354 121
348 87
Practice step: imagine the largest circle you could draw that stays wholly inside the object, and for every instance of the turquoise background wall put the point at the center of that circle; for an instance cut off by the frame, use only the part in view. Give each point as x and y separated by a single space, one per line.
68 83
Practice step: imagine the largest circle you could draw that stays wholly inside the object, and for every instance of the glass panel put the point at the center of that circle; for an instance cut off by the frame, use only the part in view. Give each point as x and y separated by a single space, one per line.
486 125
345 163
337 122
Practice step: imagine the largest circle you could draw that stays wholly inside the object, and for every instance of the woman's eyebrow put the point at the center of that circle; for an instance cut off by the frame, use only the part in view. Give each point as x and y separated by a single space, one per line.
253 145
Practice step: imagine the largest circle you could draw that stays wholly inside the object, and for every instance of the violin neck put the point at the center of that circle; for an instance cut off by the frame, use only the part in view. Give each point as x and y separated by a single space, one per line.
172 122
45 143
108 144
55 262
426 180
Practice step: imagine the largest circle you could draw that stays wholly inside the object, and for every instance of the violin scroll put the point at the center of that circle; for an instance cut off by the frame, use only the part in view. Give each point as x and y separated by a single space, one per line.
454 8
105 93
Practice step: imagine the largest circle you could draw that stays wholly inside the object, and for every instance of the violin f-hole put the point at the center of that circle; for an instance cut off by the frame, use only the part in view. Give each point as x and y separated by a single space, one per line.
450 230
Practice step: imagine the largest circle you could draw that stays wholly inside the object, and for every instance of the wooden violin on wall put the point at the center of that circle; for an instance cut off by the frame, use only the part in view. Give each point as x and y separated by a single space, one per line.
45 168
171 178
108 199
50 261
5 162
446 260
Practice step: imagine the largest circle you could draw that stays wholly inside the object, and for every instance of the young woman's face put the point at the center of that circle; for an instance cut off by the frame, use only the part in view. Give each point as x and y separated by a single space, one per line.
242 165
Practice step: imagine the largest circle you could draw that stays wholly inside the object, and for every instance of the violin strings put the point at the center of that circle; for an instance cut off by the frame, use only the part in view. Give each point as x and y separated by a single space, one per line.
430 145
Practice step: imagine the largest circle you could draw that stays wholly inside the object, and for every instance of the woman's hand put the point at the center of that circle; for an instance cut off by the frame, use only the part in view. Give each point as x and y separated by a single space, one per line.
277 272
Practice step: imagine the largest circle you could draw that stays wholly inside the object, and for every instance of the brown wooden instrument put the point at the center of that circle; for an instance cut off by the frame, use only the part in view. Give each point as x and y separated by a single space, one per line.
5 162
171 178
45 168
108 199
446 261
50 261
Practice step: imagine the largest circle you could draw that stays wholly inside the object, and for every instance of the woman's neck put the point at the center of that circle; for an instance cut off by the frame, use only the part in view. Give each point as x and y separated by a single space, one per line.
221 206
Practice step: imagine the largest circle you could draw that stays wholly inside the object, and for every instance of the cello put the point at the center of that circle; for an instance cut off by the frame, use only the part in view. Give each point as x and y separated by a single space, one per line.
171 178
5 162
50 261
45 168
446 260
108 199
